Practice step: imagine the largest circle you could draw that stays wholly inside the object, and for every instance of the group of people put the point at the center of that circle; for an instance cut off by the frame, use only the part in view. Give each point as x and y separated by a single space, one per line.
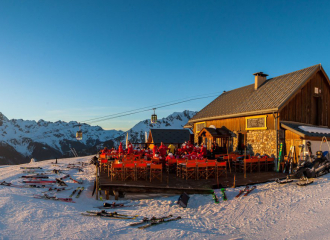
162 152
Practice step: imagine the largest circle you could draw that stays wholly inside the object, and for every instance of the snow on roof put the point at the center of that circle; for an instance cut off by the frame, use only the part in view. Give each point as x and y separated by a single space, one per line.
315 129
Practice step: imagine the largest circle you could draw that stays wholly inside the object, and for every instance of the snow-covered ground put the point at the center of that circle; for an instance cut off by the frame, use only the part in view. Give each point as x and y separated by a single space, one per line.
272 211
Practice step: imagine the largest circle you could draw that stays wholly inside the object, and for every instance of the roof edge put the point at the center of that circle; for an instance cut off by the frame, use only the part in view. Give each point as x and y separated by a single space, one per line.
273 110
292 130
300 86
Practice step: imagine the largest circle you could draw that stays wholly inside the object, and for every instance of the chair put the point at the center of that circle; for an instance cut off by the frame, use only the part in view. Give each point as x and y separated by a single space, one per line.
170 165
156 172
211 169
103 164
201 170
179 163
116 171
262 164
129 171
221 168
189 171
251 164
141 171
269 163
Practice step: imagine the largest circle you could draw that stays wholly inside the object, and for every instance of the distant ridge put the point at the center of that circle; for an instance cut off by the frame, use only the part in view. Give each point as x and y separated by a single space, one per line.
21 140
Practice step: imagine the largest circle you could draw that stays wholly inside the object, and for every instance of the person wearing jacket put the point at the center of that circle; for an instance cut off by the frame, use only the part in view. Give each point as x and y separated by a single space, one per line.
120 149
130 149
162 150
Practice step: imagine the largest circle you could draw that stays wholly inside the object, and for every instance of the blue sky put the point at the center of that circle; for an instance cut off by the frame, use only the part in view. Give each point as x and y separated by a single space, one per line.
77 60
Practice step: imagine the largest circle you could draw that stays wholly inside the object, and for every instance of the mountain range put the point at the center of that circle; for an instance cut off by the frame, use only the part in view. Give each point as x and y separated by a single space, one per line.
21 140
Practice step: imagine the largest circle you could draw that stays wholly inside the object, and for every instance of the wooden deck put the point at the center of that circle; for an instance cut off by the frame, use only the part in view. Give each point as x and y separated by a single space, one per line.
174 185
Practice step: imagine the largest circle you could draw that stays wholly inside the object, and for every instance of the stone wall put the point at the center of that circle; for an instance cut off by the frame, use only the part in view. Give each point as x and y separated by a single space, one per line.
262 142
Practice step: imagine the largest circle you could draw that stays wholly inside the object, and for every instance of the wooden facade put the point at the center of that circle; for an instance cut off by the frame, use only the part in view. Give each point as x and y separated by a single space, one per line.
310 104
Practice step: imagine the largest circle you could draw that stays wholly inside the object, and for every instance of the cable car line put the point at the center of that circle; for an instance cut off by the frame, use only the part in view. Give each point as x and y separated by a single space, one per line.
145 110
153 106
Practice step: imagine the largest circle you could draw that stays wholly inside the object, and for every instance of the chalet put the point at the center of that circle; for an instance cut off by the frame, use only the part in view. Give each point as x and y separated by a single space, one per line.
168 136
290 109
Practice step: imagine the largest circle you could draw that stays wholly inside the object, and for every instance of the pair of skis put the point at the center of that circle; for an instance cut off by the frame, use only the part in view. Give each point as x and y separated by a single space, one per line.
47 197
246 190
155 221
79 190
116 205
4 183
106 214
30 167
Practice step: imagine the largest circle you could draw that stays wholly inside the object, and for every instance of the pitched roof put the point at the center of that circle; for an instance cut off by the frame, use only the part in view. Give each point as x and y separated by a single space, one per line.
222 132
170 135
298 128
270 96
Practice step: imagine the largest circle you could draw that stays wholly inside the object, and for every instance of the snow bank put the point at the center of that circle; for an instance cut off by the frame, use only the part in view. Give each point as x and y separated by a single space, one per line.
272 211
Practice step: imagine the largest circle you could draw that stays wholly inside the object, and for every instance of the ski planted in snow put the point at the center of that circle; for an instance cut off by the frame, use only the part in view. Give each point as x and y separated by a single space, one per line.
242 191
224 196
148 220
250 190
153 223
215 197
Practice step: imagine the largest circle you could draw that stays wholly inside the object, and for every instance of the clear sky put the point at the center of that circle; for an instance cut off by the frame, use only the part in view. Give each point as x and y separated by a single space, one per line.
77 60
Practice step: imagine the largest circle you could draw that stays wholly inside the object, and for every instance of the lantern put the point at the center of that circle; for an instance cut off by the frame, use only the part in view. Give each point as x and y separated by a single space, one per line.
79 133
154 117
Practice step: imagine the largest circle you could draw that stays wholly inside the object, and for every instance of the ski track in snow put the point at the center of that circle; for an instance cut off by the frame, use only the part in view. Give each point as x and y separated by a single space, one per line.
272 211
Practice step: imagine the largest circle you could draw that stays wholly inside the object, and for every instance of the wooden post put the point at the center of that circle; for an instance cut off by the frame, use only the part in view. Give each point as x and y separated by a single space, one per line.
245 164
234 185
228 159
107 197
116 193
97 182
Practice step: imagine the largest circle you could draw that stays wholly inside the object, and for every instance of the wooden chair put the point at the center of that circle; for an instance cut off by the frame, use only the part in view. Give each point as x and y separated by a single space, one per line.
252 164
141 171
156 172
211 169
116 172
262 164
179 166
221 168
201 170
170 165
129 171
189 171
269 163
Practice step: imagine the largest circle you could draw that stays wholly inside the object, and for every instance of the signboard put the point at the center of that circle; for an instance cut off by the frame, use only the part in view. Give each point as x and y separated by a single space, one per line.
256 123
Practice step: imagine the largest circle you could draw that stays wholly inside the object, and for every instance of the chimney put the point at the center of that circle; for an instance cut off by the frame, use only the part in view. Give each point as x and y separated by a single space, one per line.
259 79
